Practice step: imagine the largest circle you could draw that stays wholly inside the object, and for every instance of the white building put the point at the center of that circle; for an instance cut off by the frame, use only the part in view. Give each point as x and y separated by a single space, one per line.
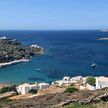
101 82
76 79
43 85
26 87
2 38
35 46
67 80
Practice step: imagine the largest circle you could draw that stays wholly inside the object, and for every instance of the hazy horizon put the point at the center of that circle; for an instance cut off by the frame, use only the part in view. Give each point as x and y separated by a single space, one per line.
49 29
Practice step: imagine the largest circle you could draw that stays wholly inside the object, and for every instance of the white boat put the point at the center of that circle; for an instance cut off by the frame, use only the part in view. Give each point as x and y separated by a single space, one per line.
38 69
93 65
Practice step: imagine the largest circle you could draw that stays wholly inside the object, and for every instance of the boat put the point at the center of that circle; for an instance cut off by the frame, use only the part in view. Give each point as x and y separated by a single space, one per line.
38 69
93 65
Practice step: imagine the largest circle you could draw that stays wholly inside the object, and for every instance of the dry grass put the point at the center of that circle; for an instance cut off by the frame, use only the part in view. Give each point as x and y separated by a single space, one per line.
51 90
48 100
102 105
20 97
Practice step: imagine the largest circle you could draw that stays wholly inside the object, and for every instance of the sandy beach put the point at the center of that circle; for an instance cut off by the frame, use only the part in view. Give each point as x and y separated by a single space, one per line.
14 62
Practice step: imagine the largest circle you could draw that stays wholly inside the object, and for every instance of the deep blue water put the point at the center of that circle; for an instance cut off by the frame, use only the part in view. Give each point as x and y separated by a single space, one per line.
66 53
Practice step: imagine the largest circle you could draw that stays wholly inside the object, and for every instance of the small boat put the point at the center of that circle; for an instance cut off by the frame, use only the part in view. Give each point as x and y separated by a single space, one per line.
93 65
38 69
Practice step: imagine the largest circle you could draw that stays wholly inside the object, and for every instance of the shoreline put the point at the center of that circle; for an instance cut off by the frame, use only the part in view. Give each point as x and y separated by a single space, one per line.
13 62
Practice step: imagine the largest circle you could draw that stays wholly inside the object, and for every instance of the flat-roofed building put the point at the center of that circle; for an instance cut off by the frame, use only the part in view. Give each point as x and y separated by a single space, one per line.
101 82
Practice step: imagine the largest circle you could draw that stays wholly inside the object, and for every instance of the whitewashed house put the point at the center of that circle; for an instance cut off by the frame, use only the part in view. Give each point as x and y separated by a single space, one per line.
35 46
43 85
67 80
101 82
76 79
26 87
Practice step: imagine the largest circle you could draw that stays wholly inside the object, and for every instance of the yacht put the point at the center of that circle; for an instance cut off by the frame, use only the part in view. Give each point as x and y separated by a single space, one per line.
38 69
93 65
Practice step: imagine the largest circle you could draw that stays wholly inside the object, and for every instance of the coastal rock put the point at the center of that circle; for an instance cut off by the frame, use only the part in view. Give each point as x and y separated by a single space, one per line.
11 51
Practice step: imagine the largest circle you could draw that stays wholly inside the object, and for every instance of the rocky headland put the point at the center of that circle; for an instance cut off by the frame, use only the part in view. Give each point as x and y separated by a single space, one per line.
12 51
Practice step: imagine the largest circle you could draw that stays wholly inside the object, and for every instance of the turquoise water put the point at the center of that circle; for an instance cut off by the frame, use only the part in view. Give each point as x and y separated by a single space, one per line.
66 53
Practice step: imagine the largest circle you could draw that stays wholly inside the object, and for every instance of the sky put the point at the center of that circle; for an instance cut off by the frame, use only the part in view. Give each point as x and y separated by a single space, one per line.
53 14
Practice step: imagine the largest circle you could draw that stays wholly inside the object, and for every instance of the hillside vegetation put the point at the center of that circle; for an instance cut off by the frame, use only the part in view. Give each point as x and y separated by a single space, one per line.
11 49
85 99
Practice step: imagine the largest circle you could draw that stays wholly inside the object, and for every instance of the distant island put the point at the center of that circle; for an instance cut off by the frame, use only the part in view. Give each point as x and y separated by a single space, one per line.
12 51
104 30
105 38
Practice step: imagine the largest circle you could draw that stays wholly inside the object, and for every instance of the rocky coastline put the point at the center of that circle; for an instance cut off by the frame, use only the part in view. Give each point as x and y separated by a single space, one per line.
12 51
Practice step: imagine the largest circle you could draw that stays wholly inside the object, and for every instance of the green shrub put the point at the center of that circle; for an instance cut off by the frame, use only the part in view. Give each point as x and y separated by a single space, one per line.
8 89
78 105
91 80
33 91
70 90
4 90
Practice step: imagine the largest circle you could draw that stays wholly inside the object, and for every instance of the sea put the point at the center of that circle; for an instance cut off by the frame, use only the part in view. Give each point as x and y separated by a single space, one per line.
67 53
